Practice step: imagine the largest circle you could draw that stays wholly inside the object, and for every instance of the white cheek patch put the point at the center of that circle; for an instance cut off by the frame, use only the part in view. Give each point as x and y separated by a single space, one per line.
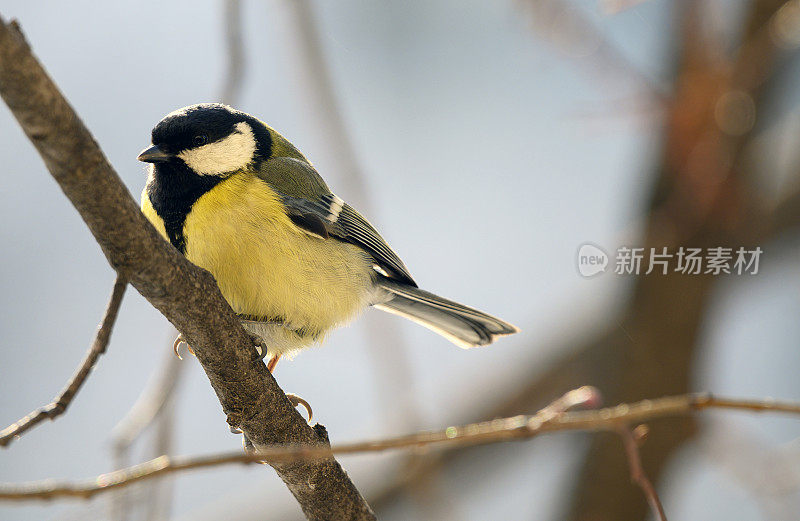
226 155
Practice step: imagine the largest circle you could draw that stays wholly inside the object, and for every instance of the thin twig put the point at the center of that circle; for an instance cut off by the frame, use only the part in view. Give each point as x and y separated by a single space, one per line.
504 429
59 405
160 490
638 475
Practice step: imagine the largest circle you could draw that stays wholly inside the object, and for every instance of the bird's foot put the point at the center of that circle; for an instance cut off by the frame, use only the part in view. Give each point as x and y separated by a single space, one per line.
176 346
272 363
296 401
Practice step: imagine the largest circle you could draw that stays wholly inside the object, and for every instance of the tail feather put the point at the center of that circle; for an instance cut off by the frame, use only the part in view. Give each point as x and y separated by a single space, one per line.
464 326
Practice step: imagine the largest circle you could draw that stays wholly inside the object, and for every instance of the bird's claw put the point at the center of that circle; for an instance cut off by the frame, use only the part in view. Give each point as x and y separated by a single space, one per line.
176 346
261 350
296 400
259 346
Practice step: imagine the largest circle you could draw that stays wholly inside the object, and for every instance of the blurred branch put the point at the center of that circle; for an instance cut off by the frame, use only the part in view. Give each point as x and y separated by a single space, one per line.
233 80
388 351
700 198
59 406
149 404
612 7
785 214
160 491
553 418
154 405
322 103
186 294
567 28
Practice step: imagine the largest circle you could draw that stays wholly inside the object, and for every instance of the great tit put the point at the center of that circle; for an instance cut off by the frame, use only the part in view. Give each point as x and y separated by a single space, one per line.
292 258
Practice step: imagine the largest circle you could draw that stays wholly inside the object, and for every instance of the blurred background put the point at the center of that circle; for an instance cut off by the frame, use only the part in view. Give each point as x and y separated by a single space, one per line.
487 141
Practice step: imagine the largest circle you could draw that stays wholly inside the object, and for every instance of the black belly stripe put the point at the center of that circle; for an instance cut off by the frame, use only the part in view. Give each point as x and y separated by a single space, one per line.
172 192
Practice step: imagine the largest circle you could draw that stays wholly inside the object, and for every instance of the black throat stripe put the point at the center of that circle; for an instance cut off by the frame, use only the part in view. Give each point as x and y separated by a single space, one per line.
172 192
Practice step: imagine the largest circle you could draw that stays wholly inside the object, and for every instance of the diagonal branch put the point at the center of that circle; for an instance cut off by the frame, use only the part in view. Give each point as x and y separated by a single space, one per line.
186 294
553 418
59 406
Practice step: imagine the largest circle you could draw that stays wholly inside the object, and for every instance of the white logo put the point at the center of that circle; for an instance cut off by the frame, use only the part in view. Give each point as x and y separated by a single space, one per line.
591 260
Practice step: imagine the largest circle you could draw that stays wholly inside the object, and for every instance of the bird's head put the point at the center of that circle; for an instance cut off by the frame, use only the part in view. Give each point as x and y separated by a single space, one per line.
211 139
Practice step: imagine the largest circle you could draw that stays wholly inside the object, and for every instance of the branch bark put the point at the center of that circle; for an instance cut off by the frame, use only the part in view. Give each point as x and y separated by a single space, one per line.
187 295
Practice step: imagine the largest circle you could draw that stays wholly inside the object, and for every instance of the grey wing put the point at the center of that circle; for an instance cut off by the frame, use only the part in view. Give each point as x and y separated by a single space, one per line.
312 207
357 230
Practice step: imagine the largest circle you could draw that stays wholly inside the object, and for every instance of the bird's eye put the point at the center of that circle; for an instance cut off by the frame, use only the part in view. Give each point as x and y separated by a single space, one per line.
200 140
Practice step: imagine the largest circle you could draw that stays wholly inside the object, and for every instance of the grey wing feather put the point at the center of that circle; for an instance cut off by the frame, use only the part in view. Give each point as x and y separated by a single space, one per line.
311 206
358 230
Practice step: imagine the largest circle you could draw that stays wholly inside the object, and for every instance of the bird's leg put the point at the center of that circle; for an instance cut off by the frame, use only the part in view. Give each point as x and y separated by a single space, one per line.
176 346
272 363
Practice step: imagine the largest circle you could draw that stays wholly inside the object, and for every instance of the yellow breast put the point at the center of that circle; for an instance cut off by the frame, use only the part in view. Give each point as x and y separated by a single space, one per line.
265 265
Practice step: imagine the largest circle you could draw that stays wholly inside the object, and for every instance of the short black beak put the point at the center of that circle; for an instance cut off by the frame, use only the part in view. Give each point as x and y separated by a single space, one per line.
154 155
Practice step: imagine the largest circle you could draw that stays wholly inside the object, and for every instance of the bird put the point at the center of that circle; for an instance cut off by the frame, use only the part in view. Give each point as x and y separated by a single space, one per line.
292 258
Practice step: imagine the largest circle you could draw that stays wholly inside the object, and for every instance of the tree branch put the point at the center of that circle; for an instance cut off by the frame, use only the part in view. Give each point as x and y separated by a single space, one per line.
186 294
59 405
555 417
631 444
